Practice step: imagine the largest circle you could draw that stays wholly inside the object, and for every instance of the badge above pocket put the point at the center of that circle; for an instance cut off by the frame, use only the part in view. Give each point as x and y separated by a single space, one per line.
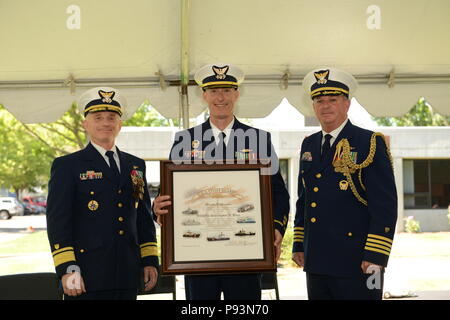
306 156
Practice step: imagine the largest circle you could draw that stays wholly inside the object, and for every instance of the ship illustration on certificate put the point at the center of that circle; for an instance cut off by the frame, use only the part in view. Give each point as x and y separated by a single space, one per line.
190 234
246 219
243 233
220 237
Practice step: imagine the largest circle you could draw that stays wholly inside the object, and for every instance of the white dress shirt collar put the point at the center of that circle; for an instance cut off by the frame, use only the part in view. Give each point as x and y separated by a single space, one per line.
102 151
216 131
334 134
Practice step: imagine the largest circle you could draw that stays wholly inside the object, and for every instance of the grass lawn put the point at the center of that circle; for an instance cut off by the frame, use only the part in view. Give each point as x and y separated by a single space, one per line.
419 261
28 253
286 253
30 243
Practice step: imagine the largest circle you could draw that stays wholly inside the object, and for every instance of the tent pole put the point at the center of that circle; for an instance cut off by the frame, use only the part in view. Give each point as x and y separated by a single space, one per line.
184 101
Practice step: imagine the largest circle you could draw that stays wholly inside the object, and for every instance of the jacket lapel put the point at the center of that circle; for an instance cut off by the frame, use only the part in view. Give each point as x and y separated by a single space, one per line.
237 144
125 167
315 151
208 138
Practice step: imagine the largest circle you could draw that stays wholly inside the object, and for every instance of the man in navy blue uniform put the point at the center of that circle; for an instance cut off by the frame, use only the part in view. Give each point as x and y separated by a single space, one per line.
222 137
99 224
347 200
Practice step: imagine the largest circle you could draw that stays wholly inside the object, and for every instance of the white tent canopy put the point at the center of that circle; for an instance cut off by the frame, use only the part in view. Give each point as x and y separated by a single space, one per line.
51 51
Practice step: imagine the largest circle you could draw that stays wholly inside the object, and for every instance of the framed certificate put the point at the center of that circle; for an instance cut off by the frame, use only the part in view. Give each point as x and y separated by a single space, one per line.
220 220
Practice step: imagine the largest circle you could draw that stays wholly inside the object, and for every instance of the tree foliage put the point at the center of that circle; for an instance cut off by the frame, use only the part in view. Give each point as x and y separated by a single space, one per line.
421 115
147 116
27 150
24 161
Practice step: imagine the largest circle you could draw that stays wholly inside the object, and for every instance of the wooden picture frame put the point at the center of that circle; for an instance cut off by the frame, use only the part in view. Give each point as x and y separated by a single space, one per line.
220 220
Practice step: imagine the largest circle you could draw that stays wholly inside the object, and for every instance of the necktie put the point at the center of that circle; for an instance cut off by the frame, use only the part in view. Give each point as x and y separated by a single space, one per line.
325 146
112 163
221 147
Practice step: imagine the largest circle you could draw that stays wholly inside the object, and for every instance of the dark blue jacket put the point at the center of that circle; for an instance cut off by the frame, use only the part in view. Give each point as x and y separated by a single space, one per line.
93 223
245 142
334 229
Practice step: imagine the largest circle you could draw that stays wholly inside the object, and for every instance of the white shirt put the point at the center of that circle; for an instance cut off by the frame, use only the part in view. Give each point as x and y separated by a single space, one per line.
334 134
216 131
102 151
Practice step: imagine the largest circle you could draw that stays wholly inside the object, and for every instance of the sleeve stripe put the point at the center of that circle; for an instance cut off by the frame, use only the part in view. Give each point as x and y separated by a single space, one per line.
377 250
63 257
279 222
148 244
149 251
54 253
378 246
384 243
379 237
299 228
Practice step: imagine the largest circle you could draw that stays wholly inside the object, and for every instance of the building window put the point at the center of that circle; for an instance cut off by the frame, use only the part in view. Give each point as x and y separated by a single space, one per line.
426 183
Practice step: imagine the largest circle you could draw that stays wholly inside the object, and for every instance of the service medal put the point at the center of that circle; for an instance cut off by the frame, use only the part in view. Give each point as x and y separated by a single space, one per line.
245 154
137 178
306 156
92 205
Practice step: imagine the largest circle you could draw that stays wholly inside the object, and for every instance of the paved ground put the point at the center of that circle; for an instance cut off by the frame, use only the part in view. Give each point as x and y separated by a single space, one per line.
17 226
415 267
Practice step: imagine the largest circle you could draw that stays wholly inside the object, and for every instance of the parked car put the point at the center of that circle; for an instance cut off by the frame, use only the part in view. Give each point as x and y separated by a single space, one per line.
39 201
32 208
28 208
10 206
40 209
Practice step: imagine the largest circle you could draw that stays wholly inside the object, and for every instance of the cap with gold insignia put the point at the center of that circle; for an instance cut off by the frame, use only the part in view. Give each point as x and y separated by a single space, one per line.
329 82
219 75
102 99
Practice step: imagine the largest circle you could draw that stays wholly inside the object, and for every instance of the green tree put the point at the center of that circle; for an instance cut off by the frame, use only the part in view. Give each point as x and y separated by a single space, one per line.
421 115
147 116
27 150
24 161
63 136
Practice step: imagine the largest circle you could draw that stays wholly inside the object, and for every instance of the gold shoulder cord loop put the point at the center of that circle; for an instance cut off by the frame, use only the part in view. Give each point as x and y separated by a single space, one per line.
343 162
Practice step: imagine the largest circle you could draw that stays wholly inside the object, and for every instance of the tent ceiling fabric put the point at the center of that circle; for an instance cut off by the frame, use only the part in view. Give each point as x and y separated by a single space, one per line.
275 42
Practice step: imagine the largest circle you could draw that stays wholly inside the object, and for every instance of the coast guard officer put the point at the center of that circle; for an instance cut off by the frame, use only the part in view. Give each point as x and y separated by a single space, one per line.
223 137
98 210
347 201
